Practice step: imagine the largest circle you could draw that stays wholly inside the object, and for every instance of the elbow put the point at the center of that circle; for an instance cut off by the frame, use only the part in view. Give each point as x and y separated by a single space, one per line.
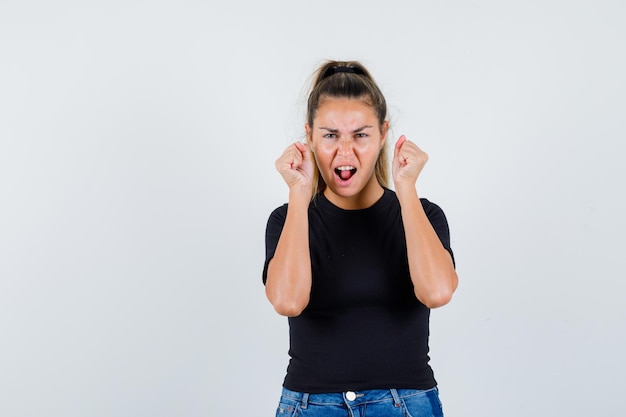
437 300
289 305
290 308
440 296
287 290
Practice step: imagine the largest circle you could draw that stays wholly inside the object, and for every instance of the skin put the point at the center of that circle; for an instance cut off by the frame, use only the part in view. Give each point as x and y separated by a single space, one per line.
346 133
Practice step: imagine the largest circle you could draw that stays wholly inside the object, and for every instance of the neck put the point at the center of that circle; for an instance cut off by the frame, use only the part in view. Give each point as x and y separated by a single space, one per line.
367 197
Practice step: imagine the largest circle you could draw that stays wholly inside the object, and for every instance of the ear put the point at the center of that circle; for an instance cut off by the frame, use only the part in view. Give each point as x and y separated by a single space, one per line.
384 128
309 135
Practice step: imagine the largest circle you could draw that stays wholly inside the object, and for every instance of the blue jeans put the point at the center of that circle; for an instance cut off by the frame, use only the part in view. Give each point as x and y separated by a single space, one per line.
367 403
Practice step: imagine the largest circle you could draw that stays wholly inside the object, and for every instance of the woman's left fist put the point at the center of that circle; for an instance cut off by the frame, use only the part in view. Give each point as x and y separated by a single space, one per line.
408 161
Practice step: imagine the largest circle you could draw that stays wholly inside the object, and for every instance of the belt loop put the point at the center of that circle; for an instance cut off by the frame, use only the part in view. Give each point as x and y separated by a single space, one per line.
396 397
305 400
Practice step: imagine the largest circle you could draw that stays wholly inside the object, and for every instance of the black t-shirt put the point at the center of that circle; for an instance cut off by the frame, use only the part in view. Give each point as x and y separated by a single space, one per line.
363 327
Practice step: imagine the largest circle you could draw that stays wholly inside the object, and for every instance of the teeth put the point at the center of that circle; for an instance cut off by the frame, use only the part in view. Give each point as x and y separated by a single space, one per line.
345 168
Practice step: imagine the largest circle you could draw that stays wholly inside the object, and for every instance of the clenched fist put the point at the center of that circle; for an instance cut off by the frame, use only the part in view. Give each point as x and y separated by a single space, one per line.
295 165
408 161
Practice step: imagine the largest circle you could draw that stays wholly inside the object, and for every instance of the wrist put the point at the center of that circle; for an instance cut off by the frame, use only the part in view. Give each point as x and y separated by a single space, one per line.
405 187
300 195
406 191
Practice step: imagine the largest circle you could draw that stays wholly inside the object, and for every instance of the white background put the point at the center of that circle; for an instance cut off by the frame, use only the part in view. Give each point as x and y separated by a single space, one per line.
137 148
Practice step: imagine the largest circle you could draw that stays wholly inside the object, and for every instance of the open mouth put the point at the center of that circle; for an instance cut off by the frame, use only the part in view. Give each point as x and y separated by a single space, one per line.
345 172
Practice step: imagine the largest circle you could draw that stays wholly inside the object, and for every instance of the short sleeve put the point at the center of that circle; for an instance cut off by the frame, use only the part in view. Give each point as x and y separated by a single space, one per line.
273 230
439 223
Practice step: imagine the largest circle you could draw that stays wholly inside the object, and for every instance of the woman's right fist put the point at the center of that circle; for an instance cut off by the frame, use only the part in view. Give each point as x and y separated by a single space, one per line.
295 165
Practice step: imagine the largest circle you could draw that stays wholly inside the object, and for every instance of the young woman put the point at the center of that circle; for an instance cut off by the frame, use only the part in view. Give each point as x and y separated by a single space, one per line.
354 265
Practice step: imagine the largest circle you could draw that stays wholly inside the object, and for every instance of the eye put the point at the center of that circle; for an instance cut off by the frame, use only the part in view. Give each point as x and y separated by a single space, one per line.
361 135
330 135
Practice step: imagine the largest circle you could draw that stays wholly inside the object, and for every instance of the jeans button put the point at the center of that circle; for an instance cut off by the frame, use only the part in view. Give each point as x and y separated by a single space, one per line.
351 396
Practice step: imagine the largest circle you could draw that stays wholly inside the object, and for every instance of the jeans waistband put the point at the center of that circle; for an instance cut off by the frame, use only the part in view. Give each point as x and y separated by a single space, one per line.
356 397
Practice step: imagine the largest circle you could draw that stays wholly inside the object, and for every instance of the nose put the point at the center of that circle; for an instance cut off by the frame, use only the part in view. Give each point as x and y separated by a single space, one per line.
345 147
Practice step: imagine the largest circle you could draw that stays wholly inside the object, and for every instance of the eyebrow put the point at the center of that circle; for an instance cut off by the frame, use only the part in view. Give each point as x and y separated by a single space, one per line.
337 130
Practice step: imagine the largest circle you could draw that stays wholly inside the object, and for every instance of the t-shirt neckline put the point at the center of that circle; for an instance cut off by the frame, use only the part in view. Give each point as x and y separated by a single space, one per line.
324 203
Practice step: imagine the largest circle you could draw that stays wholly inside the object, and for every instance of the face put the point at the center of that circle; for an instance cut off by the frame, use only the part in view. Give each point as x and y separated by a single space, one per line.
346 139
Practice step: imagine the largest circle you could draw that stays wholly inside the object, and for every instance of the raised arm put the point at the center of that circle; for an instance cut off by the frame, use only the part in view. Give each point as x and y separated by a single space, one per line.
288 284
430 264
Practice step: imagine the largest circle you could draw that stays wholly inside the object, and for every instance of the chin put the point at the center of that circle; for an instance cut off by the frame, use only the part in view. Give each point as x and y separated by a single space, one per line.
346 191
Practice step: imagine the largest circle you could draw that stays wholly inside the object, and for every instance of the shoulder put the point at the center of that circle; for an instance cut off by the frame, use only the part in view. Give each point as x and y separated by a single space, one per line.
435 214
428 205
278 216
433 211
317 204
280 210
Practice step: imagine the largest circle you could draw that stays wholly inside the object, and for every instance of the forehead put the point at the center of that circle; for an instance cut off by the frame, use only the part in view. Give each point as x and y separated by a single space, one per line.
337 112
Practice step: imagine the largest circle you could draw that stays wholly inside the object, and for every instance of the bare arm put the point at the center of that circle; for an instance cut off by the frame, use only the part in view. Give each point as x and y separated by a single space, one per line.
430 264
288 285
